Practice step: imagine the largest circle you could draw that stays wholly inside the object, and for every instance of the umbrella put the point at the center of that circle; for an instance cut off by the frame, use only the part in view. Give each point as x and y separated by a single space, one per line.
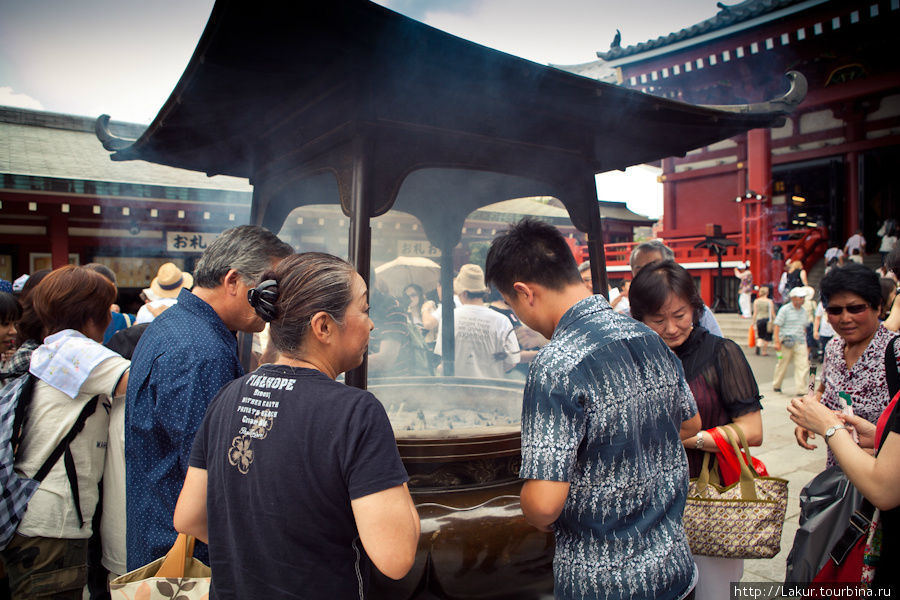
404 270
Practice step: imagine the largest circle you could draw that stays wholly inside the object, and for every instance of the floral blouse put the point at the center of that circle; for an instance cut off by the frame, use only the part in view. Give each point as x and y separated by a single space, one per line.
865 381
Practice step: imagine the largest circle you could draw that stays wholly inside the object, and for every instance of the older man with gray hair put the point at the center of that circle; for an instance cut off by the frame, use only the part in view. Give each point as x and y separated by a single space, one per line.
653 250
184 357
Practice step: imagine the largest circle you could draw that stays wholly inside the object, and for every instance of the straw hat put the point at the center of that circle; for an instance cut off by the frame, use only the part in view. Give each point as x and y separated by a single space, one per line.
169 280
470 279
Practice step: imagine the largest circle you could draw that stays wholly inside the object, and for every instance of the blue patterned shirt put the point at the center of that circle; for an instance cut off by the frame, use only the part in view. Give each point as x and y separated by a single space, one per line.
180 363
603 405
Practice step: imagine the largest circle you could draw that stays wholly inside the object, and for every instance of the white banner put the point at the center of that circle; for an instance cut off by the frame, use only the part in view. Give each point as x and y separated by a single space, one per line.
189 241
417 248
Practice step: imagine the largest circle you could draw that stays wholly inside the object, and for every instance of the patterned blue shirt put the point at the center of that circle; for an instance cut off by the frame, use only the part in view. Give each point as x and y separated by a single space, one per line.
603 405
181 362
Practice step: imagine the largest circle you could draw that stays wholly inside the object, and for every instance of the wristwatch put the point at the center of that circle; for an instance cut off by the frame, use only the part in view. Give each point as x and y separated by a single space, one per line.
699 444
832 430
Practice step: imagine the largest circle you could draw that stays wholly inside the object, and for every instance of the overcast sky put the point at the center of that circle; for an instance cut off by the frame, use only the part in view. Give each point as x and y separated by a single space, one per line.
124 57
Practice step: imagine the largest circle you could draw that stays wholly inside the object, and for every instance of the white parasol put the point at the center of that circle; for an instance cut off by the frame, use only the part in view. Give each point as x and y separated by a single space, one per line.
404 270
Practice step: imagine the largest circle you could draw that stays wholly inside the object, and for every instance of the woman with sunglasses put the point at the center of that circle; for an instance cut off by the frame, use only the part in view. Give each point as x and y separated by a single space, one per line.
854 358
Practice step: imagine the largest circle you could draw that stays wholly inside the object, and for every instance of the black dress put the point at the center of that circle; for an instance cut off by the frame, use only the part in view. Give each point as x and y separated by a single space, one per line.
721 381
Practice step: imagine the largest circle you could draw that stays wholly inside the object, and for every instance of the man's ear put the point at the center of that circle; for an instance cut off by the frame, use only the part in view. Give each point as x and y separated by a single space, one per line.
230 281
524 292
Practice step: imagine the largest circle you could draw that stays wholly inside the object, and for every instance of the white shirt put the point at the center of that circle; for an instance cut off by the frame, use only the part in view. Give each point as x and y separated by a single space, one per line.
145 316
51 511
855 241
486 345
112 524
825 329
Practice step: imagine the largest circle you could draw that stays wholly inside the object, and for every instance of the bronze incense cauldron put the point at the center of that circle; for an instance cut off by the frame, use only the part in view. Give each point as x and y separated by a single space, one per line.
459 439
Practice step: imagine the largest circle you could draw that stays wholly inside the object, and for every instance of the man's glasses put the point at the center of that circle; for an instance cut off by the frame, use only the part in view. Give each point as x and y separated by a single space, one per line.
853 309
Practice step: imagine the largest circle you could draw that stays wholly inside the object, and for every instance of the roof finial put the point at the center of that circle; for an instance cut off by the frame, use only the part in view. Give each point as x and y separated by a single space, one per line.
617 41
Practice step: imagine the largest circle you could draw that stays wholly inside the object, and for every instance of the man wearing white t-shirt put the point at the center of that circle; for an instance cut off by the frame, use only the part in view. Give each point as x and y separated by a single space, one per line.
855 242
486 345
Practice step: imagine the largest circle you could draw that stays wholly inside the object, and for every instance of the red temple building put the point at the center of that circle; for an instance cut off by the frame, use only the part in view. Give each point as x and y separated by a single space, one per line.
808 184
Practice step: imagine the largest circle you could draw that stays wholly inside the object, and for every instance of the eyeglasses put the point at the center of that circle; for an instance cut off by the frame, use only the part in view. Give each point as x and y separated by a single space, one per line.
853 309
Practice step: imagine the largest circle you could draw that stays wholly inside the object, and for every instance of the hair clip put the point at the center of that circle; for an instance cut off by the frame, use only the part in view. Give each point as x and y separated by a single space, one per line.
263 297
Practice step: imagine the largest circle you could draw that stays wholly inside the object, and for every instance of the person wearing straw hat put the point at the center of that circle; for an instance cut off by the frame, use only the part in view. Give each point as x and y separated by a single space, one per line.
790 341
486 344
163 291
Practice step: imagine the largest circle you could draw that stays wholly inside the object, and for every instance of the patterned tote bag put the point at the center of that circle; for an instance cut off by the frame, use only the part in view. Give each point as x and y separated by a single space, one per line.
177 575
742 520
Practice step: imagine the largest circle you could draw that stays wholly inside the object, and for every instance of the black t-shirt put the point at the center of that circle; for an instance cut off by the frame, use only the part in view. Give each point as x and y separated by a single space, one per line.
885 575
286 449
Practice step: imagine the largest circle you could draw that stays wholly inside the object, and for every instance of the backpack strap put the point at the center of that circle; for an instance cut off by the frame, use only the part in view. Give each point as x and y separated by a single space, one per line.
22 402
892 367
62 448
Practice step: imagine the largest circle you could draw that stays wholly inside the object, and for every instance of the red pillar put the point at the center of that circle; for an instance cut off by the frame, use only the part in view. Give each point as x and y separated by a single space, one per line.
854 131
669 223
59 240
759 180
851 211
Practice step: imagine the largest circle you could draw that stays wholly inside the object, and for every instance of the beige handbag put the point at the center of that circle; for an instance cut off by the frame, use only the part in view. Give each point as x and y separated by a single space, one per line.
743 520
177 575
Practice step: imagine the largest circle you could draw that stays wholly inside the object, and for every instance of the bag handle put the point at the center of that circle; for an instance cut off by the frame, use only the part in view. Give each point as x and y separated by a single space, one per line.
748 487
703 477
177 558
727 459
740 434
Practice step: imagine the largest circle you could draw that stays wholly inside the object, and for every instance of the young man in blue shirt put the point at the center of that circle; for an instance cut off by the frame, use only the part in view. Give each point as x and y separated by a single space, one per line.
605 407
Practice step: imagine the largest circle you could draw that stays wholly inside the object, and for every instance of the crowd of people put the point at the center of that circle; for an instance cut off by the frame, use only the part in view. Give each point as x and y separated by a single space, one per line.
621 399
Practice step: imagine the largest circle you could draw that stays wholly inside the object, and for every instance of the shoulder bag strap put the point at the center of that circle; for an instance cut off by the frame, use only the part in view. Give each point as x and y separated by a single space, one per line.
62 448
892 368
21 411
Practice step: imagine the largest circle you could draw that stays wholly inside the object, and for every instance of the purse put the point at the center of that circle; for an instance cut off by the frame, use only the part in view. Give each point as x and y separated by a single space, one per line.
742 520
176 575
826 505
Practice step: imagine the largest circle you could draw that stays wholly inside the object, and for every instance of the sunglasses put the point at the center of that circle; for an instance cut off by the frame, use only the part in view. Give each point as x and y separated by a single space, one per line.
853 309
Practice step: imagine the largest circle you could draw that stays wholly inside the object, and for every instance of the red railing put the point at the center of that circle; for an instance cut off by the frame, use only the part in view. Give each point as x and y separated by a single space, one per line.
805 245
684 248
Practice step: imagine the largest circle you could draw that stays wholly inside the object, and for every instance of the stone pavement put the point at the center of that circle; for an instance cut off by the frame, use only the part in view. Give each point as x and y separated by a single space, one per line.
783 458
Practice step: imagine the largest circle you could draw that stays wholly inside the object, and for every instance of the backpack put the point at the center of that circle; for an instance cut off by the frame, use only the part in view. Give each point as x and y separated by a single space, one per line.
16 489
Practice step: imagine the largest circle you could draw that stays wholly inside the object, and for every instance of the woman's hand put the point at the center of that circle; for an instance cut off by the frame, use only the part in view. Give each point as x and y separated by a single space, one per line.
864 429
810 414
803 435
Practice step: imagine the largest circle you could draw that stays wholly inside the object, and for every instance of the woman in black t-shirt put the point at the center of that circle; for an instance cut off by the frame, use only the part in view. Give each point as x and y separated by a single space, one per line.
295 479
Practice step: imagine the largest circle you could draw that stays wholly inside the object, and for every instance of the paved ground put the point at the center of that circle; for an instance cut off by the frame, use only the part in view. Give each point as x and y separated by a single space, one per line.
783 458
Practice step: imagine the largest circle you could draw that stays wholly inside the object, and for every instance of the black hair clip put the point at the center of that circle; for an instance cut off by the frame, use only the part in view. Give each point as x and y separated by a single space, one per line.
262 298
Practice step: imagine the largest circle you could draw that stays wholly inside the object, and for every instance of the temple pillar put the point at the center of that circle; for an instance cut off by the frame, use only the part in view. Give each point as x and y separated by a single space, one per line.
851 208
58 231
668 220
759 180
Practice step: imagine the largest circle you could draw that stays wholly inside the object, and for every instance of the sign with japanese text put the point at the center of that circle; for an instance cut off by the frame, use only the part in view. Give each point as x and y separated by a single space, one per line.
417 248
188 241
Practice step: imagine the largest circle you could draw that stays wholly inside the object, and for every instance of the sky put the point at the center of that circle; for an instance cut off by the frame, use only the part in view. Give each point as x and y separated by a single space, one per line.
124 57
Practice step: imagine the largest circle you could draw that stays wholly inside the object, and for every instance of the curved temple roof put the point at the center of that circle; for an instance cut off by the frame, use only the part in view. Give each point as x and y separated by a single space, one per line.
273 85
319 102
